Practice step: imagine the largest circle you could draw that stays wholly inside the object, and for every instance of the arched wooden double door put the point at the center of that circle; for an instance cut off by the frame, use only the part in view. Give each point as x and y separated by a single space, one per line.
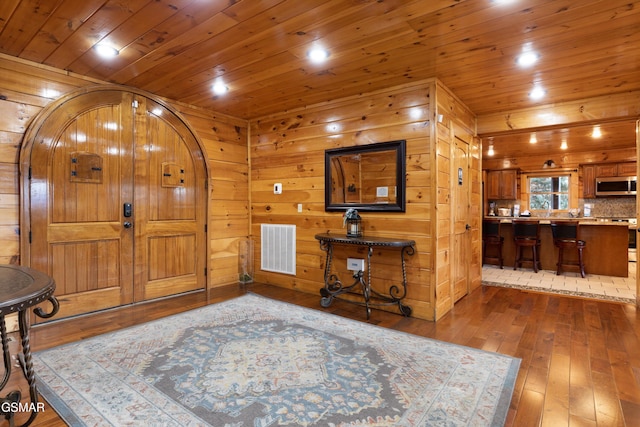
114 200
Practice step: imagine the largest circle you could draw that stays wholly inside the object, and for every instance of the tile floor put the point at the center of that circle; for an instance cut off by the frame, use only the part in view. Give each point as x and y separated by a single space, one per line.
622 289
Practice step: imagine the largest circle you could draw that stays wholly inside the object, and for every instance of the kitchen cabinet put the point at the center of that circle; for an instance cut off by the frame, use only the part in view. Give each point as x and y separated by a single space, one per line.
615 169
588 181
600 170
627 169
608 169
502 184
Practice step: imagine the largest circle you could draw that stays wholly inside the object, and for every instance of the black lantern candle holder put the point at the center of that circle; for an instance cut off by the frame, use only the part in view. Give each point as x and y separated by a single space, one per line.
353 222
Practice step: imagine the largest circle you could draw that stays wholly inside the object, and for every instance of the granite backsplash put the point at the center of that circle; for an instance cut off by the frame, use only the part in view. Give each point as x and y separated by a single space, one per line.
611 207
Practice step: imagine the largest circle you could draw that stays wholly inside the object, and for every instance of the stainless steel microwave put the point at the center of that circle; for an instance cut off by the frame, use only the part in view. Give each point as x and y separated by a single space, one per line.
616 186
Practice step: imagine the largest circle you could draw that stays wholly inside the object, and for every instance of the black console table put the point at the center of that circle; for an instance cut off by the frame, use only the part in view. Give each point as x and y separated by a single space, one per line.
20 289
333 287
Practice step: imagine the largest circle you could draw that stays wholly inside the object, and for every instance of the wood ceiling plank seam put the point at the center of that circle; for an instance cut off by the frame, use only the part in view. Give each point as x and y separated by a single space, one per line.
186 28
59 26
201 56
139 23
454 88
7 9
91 31
356 64
138 69
25 21
285 103
254 74
549 16
473 95
510 47
600 68
244 55
485 69
399 22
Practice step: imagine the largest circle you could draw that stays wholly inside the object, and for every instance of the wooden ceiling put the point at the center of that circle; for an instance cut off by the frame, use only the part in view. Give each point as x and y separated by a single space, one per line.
178 48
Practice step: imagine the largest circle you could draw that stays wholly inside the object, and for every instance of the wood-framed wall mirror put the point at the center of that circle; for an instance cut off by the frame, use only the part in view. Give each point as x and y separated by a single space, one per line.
367 177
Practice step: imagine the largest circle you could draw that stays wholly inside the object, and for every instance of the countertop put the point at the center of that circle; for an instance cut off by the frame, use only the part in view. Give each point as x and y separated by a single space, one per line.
581 220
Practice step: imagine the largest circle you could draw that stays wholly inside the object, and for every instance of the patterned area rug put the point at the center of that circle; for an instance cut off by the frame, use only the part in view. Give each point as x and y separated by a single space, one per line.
253 361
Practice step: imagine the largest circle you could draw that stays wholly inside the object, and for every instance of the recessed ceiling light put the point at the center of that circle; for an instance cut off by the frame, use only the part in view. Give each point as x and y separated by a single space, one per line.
537 93
318 55
527 59
219 88
105 50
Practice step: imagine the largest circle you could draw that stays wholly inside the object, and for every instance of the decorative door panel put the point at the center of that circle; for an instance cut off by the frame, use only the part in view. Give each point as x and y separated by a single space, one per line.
116 201
170 219
80 176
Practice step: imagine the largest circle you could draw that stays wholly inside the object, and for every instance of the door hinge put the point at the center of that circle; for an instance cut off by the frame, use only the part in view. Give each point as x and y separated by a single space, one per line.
29 176
29 236
205 271
206 228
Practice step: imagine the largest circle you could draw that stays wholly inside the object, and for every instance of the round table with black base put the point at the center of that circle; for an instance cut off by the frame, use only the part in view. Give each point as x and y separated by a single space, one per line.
20 289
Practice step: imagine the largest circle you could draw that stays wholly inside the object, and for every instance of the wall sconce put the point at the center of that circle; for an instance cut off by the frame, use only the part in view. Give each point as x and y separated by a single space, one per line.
549 164
490 151
533 138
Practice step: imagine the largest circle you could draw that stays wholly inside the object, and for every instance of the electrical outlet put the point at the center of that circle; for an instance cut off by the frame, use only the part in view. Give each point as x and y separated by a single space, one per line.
299 207
355 264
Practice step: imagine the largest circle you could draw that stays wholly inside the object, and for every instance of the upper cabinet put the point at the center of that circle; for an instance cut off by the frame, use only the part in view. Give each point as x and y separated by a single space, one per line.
592 171
609 169
627 169
615 169
502 184
589 181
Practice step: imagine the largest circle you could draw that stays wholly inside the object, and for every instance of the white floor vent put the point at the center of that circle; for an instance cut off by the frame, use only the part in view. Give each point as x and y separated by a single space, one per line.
278 248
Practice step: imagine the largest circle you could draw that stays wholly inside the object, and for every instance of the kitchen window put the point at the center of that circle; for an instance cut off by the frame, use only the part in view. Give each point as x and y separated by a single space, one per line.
547 193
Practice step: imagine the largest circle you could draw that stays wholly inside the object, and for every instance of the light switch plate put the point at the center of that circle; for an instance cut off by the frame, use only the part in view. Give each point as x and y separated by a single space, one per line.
277 188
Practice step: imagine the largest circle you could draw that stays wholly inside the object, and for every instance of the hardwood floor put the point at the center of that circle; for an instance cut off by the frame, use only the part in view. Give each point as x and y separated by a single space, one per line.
580 358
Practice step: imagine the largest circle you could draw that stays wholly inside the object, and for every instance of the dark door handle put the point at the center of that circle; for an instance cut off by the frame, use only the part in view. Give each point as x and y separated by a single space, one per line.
468 227
127 224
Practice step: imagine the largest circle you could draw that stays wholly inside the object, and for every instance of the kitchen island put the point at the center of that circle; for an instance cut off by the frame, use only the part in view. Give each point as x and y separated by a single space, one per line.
606 252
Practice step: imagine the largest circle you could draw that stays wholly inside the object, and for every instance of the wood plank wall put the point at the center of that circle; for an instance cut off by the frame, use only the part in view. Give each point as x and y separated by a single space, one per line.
454 119
25 88
289 148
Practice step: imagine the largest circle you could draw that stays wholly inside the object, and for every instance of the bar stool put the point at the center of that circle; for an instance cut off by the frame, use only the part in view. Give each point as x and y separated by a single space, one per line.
491 238
566 236
526 234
